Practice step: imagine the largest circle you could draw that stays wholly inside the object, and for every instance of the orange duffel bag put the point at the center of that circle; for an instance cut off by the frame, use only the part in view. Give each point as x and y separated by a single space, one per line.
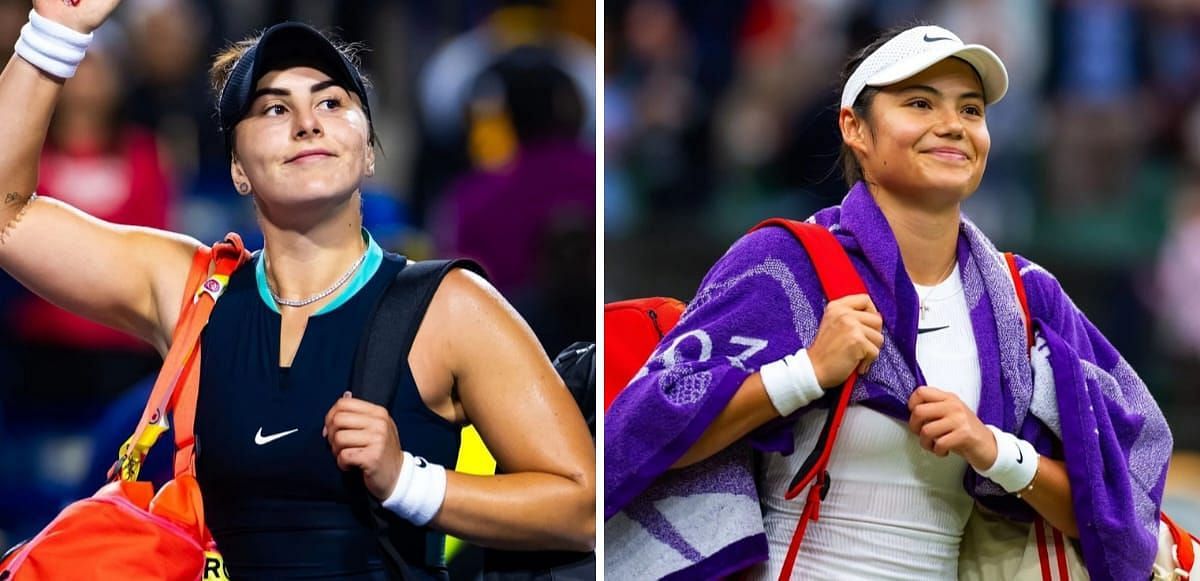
125 530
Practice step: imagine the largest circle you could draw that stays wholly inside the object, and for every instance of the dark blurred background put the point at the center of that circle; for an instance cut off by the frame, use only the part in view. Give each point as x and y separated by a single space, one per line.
485 110
720 114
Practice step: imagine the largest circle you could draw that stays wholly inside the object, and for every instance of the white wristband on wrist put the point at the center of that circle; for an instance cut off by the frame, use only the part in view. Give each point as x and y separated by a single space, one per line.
419 490
52 47
1016 462
791 382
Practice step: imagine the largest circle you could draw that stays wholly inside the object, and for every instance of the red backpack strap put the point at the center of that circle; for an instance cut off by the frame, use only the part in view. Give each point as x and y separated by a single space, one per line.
1011 260
179 368
838 279
1185 554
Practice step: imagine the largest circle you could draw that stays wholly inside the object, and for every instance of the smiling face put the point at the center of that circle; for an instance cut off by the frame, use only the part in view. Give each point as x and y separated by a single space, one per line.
304 140
924 138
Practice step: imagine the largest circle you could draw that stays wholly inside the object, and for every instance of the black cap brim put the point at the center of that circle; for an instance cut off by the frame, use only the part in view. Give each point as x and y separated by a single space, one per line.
285 45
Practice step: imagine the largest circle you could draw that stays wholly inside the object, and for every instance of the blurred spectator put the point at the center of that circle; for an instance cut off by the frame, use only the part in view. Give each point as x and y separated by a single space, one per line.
1096 79
654 140
167 49
447 79
1178 276
528 212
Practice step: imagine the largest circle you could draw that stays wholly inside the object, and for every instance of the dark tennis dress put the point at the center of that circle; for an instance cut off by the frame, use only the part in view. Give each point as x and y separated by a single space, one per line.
274 498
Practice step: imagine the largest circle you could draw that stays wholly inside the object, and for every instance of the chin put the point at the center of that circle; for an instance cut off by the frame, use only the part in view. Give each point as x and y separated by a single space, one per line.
317 192
958 185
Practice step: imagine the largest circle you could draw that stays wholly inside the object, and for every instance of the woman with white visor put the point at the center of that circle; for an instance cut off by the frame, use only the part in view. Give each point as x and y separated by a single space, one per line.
949 414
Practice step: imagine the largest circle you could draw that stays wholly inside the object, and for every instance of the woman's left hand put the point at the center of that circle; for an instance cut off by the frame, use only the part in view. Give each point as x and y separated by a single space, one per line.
945 424
363 435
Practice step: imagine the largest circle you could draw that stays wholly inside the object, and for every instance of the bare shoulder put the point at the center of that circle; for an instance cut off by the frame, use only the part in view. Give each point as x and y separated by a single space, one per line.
464 295
167 256
479 331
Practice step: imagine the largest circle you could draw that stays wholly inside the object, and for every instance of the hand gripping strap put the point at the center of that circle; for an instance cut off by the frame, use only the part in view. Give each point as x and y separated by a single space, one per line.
838 279
175 389
382 354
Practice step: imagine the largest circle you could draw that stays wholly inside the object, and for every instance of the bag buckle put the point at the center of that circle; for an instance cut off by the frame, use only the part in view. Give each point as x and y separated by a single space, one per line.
214 287
132 454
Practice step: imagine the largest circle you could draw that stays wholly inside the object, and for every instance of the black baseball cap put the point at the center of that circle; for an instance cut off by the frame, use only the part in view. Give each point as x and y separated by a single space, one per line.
288 44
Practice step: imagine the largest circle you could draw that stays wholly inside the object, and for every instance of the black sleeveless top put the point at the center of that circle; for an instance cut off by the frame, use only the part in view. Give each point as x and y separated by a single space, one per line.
274 498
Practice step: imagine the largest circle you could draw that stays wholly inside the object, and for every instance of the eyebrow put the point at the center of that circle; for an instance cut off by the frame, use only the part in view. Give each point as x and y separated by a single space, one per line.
935 92
276 91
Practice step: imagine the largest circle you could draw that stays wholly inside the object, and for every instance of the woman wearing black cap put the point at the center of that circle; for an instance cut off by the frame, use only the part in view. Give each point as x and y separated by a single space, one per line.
272 420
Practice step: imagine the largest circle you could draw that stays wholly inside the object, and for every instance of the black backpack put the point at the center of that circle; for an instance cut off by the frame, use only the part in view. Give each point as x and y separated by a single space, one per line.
577 366
377 364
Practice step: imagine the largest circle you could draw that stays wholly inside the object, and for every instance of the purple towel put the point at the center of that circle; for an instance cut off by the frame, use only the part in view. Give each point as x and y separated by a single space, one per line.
762 301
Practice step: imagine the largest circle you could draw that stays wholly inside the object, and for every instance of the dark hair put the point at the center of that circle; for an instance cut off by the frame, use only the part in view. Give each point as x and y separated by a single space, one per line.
851 170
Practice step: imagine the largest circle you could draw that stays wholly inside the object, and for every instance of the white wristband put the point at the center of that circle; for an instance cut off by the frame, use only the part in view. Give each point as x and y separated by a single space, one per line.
52 47
419 490
791 382
1016 462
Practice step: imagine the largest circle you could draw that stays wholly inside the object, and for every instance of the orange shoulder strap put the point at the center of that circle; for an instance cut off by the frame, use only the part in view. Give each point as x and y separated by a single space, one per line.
227 257
175 389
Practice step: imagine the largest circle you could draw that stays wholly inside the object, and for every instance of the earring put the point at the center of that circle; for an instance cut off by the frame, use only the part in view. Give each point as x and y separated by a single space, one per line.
243 187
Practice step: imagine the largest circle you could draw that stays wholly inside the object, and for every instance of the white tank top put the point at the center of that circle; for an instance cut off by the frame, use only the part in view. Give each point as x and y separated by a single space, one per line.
894 511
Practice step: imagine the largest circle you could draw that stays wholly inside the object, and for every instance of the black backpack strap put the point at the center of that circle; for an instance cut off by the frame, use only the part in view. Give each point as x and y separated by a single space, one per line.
394 325
576 365
382 353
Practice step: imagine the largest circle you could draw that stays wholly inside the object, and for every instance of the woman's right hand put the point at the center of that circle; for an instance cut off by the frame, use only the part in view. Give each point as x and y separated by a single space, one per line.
849 338
83 15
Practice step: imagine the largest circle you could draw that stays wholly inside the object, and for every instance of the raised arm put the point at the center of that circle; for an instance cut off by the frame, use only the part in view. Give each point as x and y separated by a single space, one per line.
126 277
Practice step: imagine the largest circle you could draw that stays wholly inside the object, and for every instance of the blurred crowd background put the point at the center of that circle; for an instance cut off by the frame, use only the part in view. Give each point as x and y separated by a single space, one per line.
720 114
485 110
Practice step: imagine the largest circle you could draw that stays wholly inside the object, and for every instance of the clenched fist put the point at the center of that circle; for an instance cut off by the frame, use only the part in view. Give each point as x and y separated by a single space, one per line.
945 424
363 435
849 338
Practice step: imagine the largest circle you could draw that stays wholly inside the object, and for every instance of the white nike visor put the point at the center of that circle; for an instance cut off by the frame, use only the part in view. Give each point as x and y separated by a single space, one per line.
917 49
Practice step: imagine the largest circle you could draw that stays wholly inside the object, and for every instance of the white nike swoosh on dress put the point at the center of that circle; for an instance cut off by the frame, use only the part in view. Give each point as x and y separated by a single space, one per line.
260 439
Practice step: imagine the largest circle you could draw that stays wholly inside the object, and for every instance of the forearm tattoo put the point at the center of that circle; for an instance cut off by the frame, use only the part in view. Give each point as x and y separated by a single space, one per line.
12 199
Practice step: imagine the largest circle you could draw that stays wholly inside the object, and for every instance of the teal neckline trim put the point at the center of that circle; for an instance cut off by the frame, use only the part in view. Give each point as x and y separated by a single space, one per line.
369 266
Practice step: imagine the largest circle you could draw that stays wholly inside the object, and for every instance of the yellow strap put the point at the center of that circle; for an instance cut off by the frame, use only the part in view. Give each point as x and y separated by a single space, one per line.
133 454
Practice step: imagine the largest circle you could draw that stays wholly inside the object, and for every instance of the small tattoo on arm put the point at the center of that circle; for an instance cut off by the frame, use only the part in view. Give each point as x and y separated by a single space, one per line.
11 198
